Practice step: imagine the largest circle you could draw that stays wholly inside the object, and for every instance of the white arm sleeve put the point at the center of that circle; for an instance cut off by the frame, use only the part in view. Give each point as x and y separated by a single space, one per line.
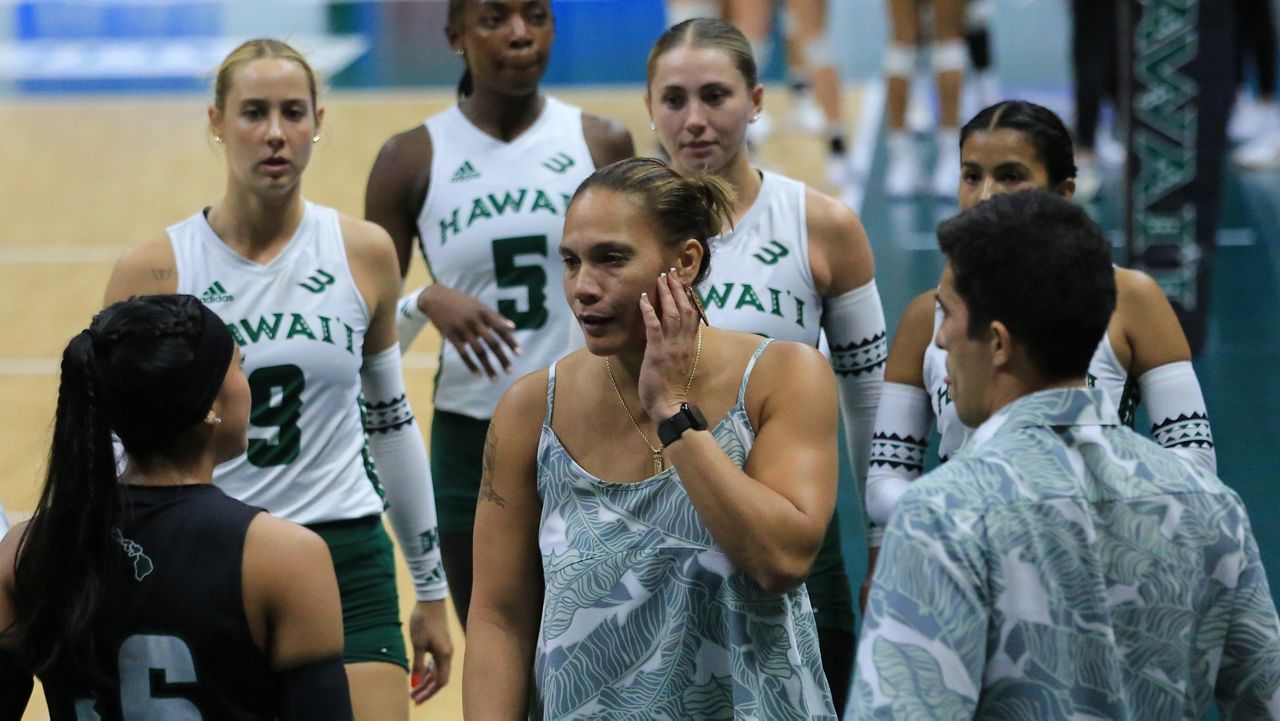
897 451
410 320
854 324
1179 418
400 457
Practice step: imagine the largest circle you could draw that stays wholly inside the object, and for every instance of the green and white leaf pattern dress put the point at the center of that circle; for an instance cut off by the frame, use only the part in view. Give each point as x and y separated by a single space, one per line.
1062 566
644 615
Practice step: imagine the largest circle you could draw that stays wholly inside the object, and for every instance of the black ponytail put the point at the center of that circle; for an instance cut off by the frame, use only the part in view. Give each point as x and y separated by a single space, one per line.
147 368
67 546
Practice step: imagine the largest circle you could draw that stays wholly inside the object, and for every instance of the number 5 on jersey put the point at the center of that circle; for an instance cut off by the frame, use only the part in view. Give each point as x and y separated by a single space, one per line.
533 278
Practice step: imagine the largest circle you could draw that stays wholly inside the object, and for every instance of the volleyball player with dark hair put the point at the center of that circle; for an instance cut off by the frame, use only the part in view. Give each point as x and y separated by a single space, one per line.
482 189
155 595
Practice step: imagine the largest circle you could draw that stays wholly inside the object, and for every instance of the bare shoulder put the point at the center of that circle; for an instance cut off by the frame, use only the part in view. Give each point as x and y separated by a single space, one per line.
272 545
524 401
797 363
404 155
1134 285
840 249
608 140
149 268
368 244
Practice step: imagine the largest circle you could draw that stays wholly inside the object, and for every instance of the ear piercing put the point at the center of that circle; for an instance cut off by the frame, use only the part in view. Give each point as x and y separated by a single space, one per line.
217 139
213 418
315 138
755 117
653 127
458 51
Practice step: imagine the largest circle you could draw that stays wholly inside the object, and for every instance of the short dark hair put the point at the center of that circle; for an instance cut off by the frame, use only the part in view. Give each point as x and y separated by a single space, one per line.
1042 128
1040 266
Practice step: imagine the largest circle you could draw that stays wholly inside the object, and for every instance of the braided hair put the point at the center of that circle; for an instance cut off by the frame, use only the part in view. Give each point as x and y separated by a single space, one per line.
117 374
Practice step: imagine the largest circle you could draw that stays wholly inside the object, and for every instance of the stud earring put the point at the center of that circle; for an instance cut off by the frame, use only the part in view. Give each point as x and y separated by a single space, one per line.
315 138
458 51
755 117
653 127
217 139
212 418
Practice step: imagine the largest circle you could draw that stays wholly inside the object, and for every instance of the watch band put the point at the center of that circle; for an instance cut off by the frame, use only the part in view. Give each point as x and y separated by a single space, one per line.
688 417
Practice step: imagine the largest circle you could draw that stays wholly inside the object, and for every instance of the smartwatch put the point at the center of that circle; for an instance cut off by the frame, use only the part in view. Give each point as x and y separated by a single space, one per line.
688 417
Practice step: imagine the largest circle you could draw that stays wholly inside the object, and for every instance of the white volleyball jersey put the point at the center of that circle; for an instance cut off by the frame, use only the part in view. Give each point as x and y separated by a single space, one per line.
760 279
1105 372
300 322
491 226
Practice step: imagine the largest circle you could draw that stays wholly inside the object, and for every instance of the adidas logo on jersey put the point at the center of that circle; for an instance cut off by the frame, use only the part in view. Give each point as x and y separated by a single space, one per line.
217 294
465 172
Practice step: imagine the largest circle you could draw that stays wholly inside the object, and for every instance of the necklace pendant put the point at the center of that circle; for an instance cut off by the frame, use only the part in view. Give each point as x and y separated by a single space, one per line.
657 462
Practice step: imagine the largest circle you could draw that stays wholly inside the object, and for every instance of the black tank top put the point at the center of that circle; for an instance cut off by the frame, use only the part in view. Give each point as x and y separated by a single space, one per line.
182 647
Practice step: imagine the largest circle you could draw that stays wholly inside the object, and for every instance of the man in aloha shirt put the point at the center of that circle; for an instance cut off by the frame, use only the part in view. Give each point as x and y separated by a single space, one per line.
1060 566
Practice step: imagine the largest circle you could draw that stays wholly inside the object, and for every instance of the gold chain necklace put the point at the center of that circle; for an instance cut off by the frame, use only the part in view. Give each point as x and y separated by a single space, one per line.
658 460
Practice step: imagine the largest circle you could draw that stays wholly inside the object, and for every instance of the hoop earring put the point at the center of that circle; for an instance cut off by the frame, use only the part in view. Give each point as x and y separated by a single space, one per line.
458 51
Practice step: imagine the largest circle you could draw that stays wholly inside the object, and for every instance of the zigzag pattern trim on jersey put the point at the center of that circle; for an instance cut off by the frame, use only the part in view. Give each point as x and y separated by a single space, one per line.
1185 431
859 357
897 451
388 416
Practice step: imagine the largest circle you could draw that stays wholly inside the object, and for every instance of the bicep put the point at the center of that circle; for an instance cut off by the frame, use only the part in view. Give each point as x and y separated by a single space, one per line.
1151 327
905 364
290 572
507 564
389 197
840 256
795 451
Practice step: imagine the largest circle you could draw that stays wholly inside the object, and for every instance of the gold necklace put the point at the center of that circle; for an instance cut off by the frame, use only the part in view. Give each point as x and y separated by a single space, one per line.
656 451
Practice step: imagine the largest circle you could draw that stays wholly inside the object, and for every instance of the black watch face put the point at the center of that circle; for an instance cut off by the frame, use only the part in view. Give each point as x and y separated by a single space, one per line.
699 421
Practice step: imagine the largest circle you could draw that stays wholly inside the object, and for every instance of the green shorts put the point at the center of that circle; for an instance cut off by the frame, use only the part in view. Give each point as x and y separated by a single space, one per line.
365 565
457 447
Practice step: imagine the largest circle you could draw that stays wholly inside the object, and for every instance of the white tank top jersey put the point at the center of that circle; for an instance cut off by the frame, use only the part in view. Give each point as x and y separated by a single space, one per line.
1105 372
491 226
760 279
300 322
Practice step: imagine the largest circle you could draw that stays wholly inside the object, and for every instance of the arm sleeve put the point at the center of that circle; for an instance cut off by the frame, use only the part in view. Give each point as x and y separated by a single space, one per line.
401 461
1179 418
854 324
410 320
924 643
314 692
1248 683
898 446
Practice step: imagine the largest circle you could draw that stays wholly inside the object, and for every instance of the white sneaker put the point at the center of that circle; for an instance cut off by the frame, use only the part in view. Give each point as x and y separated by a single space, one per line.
839 170
806 116
1261 153
1252 119
1088 179
946 168
920 118
903 177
